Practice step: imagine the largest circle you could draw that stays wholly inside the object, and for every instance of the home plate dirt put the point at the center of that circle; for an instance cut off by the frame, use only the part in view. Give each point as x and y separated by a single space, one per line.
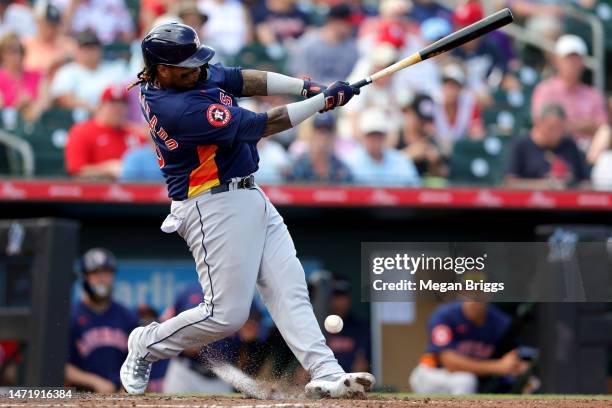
376 401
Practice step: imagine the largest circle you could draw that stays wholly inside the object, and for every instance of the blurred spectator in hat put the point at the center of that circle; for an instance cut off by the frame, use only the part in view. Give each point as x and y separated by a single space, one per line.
16 18
319 163
278 21
423 10
548 157
227 29
376 164
79 84
21 89
352 346
49 48
584 105
274 162
456 113
190 14
481 56
96 147
382 94
109 19
328 53
416 137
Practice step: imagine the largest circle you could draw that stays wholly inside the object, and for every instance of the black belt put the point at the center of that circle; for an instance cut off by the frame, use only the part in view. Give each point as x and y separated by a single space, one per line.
246 182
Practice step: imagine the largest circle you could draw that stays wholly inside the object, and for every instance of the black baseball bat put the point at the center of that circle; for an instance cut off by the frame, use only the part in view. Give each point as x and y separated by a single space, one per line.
454 40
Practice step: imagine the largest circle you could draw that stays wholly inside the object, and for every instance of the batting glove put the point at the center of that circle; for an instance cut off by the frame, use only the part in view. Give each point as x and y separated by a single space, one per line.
312 89
339 94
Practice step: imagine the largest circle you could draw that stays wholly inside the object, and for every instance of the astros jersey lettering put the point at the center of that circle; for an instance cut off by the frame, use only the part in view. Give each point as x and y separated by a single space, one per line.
450 329
98 341
202 137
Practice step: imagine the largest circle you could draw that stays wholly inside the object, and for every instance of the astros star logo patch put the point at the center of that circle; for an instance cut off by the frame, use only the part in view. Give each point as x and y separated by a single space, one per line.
218 115
441 335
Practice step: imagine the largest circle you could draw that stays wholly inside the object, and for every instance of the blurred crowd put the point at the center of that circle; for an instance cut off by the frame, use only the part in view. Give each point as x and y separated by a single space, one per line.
492 112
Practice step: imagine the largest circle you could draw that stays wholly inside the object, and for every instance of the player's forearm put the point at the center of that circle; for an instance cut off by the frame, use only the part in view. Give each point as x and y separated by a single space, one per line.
264 83
286 117
278 121
75 376
454 361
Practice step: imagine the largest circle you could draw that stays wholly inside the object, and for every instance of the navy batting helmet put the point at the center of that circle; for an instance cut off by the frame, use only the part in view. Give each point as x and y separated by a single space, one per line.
176 45
98 258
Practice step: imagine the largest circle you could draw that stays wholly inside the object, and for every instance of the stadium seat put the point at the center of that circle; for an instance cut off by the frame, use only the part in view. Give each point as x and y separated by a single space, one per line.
16 154
506 121
48 137
4 160
479 162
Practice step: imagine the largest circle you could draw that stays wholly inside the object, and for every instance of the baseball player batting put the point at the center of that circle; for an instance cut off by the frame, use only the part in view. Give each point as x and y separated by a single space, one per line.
206 148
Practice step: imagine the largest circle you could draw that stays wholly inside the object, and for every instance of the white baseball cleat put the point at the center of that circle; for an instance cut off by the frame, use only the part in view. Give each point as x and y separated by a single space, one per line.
349 385
135 370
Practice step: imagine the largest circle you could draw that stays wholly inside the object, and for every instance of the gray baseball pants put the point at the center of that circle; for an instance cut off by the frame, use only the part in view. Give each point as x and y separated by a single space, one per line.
240 242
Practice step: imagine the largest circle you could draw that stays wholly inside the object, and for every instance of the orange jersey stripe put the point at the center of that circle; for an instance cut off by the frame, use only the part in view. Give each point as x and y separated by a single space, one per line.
206 175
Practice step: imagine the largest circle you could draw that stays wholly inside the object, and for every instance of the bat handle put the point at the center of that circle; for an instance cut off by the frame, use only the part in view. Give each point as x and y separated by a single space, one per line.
362 83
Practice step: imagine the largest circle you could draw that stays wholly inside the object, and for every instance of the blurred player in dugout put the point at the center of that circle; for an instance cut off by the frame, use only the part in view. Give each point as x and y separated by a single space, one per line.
99 327
464 340
352 345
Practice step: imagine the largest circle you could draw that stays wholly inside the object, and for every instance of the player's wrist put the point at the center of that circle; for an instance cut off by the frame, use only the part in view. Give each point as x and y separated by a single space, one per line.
278 84
300 111
312 89
499 368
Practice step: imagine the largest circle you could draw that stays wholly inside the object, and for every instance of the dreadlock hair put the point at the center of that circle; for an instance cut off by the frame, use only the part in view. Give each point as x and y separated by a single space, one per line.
148 75
143 76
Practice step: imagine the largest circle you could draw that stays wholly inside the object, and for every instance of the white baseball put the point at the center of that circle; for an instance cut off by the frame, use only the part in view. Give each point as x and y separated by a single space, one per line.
333 324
